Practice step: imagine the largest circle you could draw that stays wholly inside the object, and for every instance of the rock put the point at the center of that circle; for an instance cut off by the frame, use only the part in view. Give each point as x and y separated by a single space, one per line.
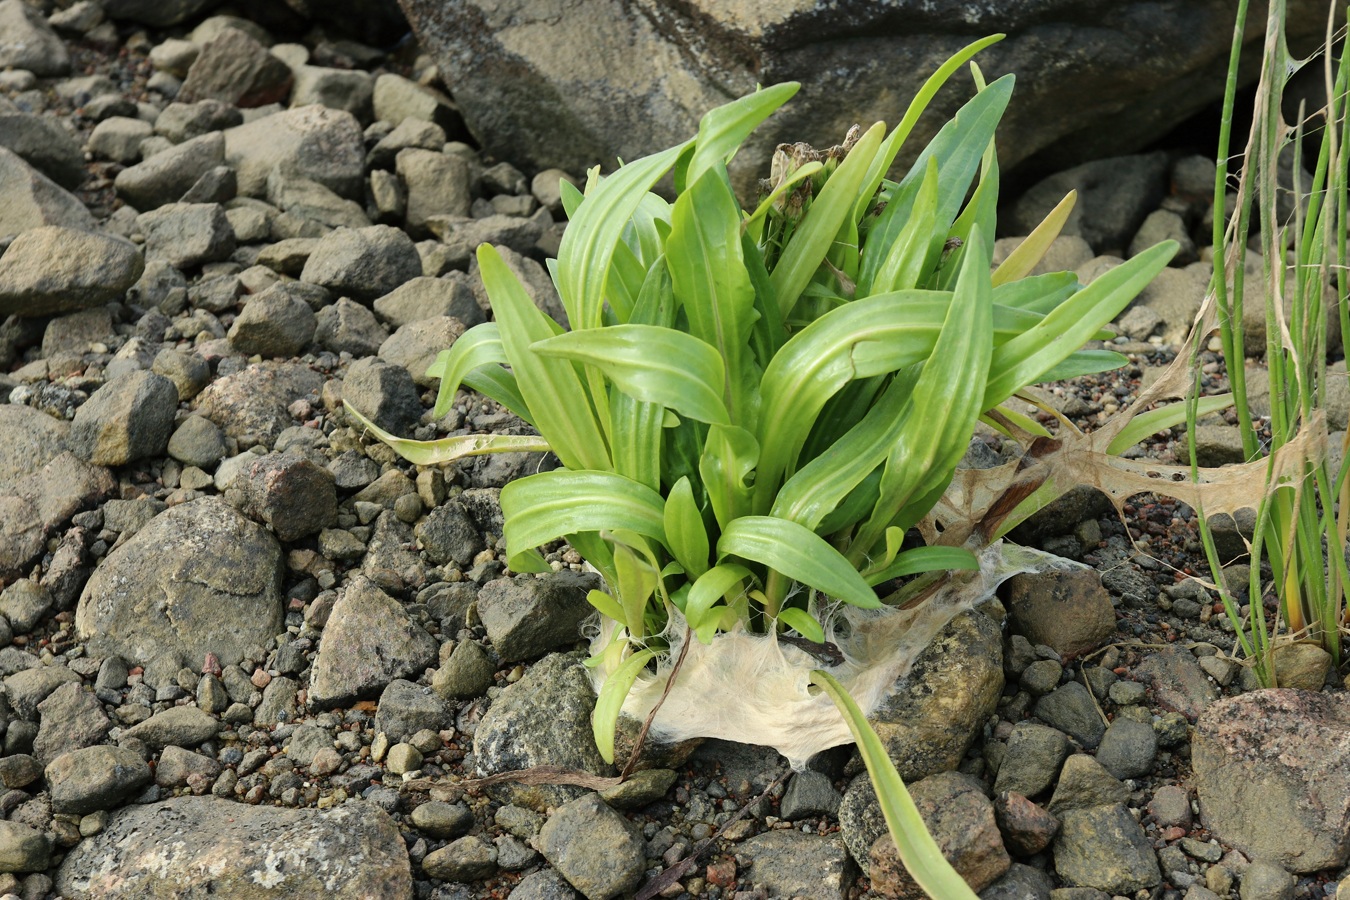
416 345
51 270
77 332
1027 829
32 439
28 42
368 642
274 323
23 604
352 850
313 142
286 492
278 702
951 690
1302 665
1103 847
397 98
178 726
1263 880
448 534
794 864
18 770
442 820
384 394
1139 323
70 718
1070 708
235 69
309 200
809 795
254 403
1171 806
542 720
406 708
197 442
157 13
1041 677
1084 783
426 298
1114 197
1032 759
36 505
32 199
961 820
527 615
410 132
349 327
200 578
45 145
1164 225
94 778
185 235
1177 681
1070 612
28 688
598 851
437 184
468 859
165 177
128 418
178 768
345 89
180 122
467 673
22 847
1175 296
647 786
1020 882
1127 748
363 263
1271 769
1218 445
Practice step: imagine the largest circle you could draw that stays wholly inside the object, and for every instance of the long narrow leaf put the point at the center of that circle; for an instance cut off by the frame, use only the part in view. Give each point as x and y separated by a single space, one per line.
721 131
685 531
925 559
710 587
798 553
432 453
1030 252
542 508
609 704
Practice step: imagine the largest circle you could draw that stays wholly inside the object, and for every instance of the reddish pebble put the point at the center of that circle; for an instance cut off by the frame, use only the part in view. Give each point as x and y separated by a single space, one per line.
1172 834
211 665
722 872
260 678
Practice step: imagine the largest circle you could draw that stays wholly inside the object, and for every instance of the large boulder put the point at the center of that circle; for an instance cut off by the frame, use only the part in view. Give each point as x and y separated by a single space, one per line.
1096 78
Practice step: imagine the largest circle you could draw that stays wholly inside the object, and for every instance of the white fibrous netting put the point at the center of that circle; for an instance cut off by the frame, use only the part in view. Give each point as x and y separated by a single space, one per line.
754 689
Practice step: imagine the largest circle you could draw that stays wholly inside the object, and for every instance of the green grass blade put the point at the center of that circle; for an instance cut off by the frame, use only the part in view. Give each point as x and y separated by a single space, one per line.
925 559
1030 252
652 364
1162 418
1037 293
915 248
721 131
499 384
917 849
1085 362
609 704
798 553
481 345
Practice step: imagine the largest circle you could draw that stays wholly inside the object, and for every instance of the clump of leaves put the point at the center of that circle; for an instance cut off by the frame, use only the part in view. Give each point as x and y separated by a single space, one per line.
754 408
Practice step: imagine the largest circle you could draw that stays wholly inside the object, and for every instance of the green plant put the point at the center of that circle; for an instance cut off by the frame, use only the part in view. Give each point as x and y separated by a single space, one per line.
753 410
1303 516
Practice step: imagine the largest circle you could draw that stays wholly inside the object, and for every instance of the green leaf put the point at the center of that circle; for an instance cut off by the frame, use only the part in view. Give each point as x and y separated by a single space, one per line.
730 454
917 849
710 587
1030 252
1085 362
609 704
815 233
925 559
1164 417
541 508
652 364
1037 293
636 583
571 196
721 131
914 250
800 620
605 605
497 383
557 400
1025 359
480 346
798 553
431 453
685 532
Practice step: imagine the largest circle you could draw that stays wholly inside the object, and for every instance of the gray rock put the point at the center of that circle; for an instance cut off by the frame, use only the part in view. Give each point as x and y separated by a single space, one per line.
236 69
1271 769
70 718
650 785
286 492
793 864
1070 708
1171 805
32 439
314 142
809 795
126 517
1069 611
51 270
1264 880
165 177
305 742
411 132
288 256
1178 682
1114 197
93 778
36 505
218 185
254 403
449 534
1303 665
157 13
1219 445
1175 296
942 704
181 122
1139 323
178 768
279 702
197 442
1020 882
384 394
406 708
416 345
28 42
185 235
178 726
77 332
468 859
397 98
442 820
467 673
33 200
273 323
313 201
527 615
199 579
369 641
389 553
1032 759
545 884
1084 783
46 145
18 770
1041 677
1103 847
26 689
23 604
1164 225
598 851
22 847
363 263
437 185
1027 829
346 89
159 849
543 719
1127 748
426 298
128 418
349 327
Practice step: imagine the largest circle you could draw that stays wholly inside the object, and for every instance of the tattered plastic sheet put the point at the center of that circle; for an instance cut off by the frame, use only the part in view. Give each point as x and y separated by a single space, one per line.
755 689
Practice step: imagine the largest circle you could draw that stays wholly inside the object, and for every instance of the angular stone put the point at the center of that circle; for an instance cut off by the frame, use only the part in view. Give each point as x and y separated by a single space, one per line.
71 717
1069 611
51 270
162 849
383 393
46 145
425 298
314 142
1084 783
36 505
416 345
94 778
32 439
185 235
234 68
181 122
527 616
1032 759
1178 682
363 263
793 864
165 177
22 847
406 708
349 327
28 42
273 323
287 492
128 418
254 403
178 726
33 200
1027 829
598 851
1103 847
437 183
1070 708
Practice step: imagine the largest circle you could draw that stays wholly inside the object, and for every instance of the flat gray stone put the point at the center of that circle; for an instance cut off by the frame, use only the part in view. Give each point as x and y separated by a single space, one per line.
1032 759
28 42
165 177
178 726
51 270
1103 847
363 263
94 778
526 616
253 404
1070 709
186 235
598 851
32 439
793 864
46 145
314 142
128 418
33 200
36 505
